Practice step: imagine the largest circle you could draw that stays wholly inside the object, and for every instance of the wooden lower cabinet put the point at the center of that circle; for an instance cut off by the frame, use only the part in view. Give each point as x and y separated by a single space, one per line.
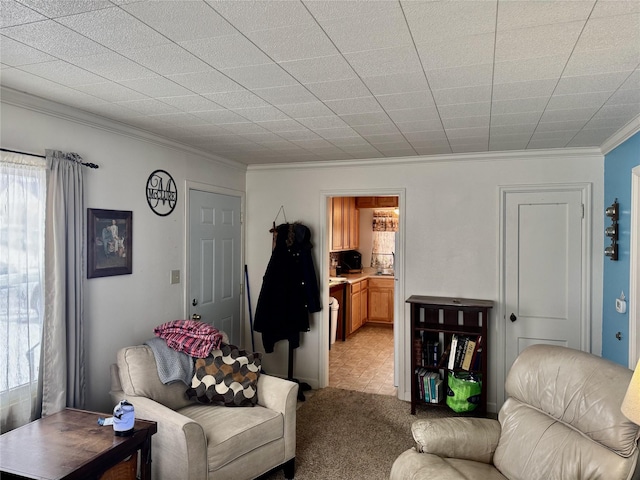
381 300
358 305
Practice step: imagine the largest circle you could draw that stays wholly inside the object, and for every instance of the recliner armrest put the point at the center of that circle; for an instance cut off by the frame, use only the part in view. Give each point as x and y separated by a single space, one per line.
458 437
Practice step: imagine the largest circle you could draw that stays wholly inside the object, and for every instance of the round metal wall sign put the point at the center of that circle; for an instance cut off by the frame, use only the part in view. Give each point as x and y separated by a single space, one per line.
162 193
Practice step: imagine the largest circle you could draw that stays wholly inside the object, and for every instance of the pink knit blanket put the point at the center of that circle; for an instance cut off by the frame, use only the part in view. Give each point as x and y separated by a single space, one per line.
194 338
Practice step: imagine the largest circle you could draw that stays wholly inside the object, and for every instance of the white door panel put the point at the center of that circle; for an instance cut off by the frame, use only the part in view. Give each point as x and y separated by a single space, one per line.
214 263
543 270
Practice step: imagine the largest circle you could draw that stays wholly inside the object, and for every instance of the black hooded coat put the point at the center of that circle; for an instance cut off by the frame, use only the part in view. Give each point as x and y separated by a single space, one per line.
289 288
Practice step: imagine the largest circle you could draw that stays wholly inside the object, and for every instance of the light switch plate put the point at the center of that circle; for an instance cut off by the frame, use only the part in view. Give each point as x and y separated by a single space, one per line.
621 306
175 277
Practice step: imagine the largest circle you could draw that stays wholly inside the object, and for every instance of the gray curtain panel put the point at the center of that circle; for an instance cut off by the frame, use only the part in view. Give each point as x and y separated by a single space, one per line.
62 367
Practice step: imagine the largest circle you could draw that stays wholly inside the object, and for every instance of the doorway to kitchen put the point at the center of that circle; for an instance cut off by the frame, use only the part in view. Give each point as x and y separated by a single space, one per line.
362 267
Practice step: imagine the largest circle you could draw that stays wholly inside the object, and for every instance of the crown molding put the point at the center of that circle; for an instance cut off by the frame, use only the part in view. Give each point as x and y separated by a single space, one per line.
621 135
511 155
64 112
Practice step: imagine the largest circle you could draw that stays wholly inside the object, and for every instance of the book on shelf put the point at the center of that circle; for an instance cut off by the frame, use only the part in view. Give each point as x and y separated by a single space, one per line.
464 352
470 347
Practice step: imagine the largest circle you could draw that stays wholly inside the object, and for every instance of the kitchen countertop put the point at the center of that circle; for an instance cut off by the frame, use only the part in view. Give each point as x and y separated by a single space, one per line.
367 272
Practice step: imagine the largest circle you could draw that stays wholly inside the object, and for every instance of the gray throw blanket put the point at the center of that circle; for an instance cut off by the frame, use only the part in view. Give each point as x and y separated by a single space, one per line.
172 365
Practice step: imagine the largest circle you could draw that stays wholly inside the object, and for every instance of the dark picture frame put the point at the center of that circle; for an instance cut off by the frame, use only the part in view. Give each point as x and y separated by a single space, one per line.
109 241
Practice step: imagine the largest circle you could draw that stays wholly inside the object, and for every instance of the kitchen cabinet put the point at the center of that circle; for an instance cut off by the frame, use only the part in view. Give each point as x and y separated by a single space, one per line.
345 224
358 305
376 202
380 308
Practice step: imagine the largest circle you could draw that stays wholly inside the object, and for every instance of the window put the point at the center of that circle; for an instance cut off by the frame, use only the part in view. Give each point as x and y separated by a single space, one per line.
22 223
385 226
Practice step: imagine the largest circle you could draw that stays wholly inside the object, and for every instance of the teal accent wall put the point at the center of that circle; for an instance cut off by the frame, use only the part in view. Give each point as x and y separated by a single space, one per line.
617 184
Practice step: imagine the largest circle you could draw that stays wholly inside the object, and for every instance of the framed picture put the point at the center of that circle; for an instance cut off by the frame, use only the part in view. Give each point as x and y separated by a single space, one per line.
109 240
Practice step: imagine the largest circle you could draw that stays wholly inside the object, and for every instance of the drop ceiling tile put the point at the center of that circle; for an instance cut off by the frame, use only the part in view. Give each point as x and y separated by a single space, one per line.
114 28
419 145
517 15
625 97
245 129
550 67
609 9
205 130
112 66
521 105
464 110
334 9
400 101
156 87
397 151
511 138
180 119
349 106
113 111
525 118
320 69
437 150
190 103
260 76
547 143
543 40
396 83
14 13
290 94
67 7
238 99
170 18
517 129
309 109
348 143
578 114
55 39
614 111
220 116
293 43
337 90
313 143
431 21
386 61
467 76
227 51
381 129
261 114
167 59
563 125
73 98
601 61
450 96
372 118
146 122
591 138
257 15
62 72
336 133
15 53
263 137
497 146
466 122
205 83
369 32
378 140
413 114
421 138
469 148
148 106
111 92
529 89
331 121
454 134
610 32
420 126
457 52
564 135
608 82
279 126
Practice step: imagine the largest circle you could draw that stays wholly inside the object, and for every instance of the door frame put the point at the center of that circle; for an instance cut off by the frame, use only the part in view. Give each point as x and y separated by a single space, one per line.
634 274
499 347
204 187
401 341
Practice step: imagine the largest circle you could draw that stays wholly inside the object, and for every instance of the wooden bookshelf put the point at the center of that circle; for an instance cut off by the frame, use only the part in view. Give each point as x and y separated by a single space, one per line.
437 320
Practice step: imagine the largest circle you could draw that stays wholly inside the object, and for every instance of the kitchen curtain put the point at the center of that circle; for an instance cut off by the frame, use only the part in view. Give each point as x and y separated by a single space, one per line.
385 226
62 360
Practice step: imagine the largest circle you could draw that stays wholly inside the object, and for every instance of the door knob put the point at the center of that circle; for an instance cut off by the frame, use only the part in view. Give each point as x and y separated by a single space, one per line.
195 316
194 302
513 317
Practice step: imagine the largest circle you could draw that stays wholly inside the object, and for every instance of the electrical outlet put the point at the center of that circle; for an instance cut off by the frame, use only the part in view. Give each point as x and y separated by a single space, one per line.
175 276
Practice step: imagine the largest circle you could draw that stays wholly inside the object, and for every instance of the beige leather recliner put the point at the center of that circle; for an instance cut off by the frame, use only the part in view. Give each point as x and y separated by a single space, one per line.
561 421
208 442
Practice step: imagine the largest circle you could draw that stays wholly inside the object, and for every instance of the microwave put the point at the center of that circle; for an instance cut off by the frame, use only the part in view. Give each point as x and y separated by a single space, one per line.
351 260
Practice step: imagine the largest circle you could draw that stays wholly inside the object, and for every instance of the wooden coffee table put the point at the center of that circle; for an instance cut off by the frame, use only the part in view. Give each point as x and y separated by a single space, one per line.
71 445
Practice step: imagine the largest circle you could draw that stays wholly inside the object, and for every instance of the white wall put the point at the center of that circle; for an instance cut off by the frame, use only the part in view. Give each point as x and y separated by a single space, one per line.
121 310
451 215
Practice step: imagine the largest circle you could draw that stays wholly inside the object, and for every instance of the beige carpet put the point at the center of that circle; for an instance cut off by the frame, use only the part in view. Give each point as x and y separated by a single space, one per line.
347 435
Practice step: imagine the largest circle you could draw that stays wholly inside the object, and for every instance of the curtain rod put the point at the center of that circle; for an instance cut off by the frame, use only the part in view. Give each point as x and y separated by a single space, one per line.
86 164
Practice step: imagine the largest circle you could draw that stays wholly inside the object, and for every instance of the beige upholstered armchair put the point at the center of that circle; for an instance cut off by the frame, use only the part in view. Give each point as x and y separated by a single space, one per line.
208 442
561 421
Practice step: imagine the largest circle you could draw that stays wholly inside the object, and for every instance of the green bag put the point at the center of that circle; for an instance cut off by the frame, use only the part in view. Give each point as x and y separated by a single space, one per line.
463 391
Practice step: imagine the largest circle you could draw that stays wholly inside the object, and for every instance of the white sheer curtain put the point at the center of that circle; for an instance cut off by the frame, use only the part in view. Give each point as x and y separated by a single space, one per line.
385 226
63 376
22 220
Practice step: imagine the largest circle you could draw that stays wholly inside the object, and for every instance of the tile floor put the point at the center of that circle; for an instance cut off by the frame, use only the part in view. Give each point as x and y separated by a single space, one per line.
364 362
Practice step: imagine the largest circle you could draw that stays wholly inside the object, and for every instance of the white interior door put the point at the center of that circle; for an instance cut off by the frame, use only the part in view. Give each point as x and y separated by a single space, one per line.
543 270
214 260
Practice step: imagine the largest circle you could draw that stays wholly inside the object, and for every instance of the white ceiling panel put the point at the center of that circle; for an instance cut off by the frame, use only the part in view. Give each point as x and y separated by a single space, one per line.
317 80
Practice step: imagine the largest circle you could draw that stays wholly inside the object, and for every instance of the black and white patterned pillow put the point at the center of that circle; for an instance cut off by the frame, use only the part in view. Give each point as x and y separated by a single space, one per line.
228 376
